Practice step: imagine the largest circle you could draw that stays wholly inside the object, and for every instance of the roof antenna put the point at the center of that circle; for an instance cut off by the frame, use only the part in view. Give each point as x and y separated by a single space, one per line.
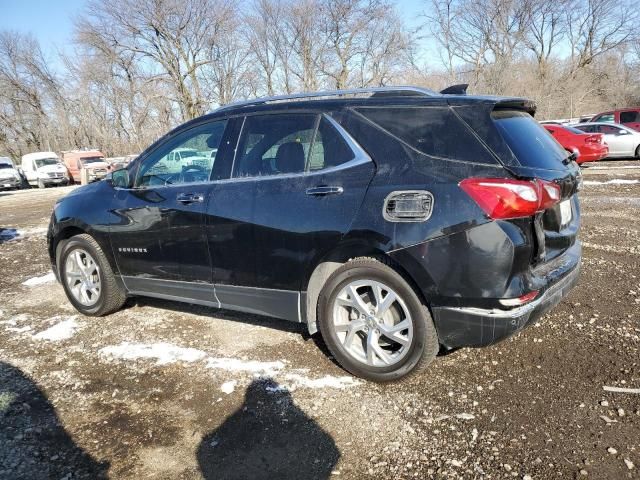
459 89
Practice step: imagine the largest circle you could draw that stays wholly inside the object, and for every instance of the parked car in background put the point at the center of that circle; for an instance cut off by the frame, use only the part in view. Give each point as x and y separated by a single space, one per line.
622 141
589 147
10 178
396 221
43 169
629 117
92 160
116 163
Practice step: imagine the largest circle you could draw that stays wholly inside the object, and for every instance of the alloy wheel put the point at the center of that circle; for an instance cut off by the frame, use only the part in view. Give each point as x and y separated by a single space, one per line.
82 276
372 323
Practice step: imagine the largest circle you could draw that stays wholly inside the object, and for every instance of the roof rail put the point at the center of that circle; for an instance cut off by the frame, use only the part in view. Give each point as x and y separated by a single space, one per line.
355 92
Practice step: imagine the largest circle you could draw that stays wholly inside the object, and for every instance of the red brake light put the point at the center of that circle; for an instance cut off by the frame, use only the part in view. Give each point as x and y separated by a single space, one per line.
502 198
593 139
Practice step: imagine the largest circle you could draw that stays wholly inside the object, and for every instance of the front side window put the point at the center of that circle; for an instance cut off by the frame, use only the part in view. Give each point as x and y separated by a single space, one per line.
284 144
186 158
607 118
609 130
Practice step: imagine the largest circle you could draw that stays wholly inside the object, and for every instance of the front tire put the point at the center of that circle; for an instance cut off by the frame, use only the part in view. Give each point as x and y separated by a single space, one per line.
87 277
373 322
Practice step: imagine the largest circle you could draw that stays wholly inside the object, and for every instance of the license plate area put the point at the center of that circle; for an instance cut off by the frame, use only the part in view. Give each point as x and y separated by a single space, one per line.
566 213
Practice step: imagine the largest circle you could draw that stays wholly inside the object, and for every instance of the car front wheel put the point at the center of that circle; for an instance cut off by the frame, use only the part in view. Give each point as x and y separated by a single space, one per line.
374 323
87 277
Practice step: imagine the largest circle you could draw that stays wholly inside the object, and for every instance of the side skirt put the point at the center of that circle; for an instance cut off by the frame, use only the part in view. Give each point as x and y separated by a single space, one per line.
284 304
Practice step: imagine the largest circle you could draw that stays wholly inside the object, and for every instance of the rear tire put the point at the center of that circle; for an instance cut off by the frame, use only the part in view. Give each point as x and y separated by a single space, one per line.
87 277
638 152
373 322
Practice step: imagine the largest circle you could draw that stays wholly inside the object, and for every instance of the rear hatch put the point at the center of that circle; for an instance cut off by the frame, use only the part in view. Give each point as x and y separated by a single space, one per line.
534 154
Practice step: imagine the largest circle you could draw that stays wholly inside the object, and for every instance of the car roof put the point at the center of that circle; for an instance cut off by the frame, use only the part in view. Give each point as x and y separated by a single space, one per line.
336 99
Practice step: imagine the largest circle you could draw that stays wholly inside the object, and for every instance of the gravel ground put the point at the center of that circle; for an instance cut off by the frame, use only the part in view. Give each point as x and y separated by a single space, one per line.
163 390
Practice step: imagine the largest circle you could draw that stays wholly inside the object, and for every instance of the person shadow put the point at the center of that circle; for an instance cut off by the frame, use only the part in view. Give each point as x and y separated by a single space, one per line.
268 437
34 444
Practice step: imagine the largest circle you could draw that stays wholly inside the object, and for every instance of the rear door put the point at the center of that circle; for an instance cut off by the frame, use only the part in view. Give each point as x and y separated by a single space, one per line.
307 179
620 142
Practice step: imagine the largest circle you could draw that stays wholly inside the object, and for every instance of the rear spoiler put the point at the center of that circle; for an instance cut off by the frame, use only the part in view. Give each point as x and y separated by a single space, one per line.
523 104
458 89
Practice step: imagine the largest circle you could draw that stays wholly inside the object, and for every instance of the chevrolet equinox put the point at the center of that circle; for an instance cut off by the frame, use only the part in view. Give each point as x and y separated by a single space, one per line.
398 222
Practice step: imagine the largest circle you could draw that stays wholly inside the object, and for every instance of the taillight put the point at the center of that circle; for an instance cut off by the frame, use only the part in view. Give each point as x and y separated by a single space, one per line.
502 198
521 300
593 139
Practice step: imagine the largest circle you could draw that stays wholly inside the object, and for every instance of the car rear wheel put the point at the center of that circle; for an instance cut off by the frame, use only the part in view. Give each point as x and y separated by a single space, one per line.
87 278
638 152
374 323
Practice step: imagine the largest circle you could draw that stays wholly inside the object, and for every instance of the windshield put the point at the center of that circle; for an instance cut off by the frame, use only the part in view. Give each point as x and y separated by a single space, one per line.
528 140
86 160
186 154
41 162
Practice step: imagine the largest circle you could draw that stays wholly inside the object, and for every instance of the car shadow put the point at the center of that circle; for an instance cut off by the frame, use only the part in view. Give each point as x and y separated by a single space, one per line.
33 442
233 316
268 437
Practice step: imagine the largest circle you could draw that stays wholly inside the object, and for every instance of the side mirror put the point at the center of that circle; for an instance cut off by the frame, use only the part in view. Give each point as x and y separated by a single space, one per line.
623 132
120 178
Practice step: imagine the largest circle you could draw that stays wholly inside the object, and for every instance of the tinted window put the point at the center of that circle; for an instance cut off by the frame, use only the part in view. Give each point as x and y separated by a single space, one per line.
529 142
281 144
608 129
329 149
436 131
186 158
629 117
274 144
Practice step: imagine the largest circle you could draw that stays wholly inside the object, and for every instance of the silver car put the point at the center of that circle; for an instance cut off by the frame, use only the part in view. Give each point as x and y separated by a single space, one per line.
623 141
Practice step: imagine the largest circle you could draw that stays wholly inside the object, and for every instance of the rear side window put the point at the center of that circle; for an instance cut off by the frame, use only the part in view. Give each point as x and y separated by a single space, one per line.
630 117
529 142
436 131
284 144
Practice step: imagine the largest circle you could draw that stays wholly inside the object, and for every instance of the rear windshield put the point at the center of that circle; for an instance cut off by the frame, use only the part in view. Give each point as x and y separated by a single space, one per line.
573 130
86 160
436 131
529 142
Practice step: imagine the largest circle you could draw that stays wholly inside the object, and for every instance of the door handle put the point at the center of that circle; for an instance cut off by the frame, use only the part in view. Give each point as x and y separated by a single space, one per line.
324 190
188 198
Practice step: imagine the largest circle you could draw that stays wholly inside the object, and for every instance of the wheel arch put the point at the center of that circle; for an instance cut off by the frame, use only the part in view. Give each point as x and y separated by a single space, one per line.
334 260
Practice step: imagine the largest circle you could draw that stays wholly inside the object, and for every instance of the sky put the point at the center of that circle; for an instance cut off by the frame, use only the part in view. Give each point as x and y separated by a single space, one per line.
51 21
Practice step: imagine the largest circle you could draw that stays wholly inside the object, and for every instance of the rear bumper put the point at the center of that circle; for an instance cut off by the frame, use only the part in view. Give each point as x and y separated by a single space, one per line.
477 327
592 155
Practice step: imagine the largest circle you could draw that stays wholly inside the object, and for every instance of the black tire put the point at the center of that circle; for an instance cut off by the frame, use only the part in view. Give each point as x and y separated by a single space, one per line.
638 152
424 346
112 295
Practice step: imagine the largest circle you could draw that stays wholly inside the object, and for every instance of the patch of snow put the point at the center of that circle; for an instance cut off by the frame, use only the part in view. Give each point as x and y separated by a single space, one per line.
162 352
328 381
60 331
10 234
250 366
465 416
24 329
32 282
615 181
228 387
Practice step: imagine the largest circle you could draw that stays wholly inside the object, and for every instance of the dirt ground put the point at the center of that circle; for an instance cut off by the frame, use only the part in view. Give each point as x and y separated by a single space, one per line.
163 390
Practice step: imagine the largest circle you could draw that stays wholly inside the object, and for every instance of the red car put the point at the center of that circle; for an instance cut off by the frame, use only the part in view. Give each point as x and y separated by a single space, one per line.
629 117
590 147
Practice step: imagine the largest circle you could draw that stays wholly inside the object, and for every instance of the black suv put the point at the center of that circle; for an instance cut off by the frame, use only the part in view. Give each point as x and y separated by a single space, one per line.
396 221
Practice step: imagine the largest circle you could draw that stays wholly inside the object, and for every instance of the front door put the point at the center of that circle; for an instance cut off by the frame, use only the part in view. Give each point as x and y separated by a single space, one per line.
160 237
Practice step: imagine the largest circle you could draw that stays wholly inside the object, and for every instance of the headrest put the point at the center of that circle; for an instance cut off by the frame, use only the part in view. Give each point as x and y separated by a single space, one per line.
290 158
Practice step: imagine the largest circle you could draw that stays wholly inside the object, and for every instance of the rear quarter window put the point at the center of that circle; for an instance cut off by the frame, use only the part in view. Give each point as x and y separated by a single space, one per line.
435 131
630 117
529 142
